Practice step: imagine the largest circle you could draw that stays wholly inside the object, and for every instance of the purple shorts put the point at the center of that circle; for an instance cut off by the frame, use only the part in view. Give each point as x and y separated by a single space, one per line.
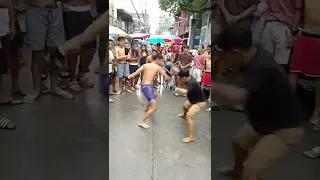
148 92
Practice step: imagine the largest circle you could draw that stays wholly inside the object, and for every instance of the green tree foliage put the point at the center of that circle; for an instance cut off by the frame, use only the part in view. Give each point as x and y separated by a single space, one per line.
176 6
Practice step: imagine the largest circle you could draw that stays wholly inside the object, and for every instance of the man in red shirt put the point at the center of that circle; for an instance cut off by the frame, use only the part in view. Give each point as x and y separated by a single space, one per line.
198 65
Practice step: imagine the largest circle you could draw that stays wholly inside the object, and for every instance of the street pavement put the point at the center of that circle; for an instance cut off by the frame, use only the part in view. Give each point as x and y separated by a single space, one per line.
59 139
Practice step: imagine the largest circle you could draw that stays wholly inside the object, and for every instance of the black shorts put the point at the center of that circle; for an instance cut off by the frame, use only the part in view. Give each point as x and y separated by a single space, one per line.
76 23
133 68
3 56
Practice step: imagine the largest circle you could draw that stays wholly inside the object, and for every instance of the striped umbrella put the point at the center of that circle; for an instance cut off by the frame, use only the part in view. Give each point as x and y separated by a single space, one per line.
116 32
139 36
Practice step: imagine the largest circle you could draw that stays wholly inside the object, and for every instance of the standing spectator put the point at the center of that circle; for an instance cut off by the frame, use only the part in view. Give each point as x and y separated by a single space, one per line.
184 62
44 28
9 59
198 65
305 60
134 65
282 19
78 15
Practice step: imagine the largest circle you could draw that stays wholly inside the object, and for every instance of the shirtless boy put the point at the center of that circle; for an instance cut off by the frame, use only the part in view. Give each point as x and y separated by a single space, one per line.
150 70
123 66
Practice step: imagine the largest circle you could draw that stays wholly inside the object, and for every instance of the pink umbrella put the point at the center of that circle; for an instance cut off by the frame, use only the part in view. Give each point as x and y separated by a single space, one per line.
174 39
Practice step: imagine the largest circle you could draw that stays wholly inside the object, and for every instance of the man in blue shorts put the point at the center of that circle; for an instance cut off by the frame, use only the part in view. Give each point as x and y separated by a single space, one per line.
149 70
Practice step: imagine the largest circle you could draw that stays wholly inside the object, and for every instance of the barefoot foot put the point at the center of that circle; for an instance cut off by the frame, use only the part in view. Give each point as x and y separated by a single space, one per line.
187 140
143 125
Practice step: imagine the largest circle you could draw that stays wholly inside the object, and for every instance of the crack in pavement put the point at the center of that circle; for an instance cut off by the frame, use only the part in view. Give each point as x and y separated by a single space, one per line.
152 165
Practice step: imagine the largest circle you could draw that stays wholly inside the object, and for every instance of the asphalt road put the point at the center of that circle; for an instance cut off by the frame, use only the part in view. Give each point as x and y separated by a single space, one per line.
59 139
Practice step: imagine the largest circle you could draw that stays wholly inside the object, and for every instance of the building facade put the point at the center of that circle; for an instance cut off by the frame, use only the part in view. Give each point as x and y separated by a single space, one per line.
124 21
113 13
141 22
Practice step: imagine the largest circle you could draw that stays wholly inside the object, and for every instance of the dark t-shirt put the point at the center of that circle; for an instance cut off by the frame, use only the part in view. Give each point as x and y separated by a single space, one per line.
185 59
271 105
102 6
195 92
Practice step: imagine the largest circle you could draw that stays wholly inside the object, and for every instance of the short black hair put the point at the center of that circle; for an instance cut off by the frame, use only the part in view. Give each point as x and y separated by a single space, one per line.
233 37
157 56
184 73
201 46
158 44
120 38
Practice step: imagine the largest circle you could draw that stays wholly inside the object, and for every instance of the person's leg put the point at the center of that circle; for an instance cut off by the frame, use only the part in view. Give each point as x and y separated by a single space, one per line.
126 74
293 77
36 32
54 39
268 150
14 64
315 119
121 69
72 60
186 106
151 107
193 110
86 55
244 140
132 81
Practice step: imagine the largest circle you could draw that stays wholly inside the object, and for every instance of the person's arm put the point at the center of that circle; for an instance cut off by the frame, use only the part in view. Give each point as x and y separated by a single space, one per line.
297 15
163 73
90 34
229 17
12 14
138 71
179 61
252 81
118 57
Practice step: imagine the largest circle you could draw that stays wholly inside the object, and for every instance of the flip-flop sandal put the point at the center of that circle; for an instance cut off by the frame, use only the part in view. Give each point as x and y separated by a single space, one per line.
111 101
74 86
12 101
6 123
45 90
316 127
30 98
63 94
314 153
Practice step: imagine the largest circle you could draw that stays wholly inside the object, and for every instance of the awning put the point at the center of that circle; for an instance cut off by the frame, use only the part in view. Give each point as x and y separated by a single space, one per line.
125 15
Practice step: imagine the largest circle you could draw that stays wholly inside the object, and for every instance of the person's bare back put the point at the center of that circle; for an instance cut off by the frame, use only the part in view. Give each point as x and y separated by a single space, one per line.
150 70
312 15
